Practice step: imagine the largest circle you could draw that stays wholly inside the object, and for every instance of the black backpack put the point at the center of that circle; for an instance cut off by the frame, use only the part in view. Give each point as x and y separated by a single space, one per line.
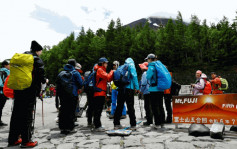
65 82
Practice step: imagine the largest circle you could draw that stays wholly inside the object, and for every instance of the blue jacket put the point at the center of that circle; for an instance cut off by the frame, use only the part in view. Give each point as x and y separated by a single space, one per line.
77 80
144 84
132 74
152 78
1 81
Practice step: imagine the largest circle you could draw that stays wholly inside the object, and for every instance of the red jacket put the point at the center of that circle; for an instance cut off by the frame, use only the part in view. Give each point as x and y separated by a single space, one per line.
216 83
101 79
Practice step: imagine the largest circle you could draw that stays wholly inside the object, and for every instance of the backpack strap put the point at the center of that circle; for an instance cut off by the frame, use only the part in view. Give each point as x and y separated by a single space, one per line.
3 76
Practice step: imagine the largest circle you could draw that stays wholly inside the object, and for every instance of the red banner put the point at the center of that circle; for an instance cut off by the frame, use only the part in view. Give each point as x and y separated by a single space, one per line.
205 109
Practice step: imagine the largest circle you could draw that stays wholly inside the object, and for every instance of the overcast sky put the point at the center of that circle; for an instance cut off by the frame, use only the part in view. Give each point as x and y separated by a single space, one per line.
50 21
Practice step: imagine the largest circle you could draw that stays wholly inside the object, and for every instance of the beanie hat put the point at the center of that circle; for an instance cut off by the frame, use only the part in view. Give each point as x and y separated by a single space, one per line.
72 62
35 46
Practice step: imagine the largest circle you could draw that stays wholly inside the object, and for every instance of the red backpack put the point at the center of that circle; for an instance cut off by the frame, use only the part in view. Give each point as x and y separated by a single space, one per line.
207 89
9 93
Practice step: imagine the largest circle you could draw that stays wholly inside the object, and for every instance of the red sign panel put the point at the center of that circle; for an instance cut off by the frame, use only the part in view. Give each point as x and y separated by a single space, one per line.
205 109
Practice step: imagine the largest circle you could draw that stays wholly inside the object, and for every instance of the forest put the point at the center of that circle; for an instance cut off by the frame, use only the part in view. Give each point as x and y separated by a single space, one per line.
183 47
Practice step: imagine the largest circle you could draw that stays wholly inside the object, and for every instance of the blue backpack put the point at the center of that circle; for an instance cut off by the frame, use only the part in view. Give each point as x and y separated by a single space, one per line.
65 82
121 76
164 79
90 81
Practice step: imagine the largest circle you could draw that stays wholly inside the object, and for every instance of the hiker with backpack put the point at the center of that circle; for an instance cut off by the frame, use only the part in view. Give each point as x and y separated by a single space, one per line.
125 78
168 101
28 70
4 72
216 84
160 80
89 90
207 89
101 77
199 84
144 89
68 82
114 90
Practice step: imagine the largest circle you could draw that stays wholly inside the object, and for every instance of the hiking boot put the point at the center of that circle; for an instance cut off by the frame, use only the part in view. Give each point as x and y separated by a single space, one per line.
133 128
111 116
18 142
30 144
123 117
2 124
100 129
162 128
156 126
116 127
73 131
146 124
65 132
76 124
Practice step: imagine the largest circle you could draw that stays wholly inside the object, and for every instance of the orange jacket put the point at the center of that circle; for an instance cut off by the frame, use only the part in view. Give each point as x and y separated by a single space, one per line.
101 79
168 91
9 93
216 83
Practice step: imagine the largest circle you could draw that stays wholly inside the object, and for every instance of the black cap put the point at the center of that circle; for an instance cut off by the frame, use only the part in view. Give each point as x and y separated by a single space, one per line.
4 63
35 46
72 62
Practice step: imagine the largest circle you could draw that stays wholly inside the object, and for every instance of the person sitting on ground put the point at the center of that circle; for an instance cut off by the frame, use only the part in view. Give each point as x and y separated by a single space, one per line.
216 84
199 84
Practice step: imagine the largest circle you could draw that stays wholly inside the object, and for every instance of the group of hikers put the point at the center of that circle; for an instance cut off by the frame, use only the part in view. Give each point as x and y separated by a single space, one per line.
156 85
202 86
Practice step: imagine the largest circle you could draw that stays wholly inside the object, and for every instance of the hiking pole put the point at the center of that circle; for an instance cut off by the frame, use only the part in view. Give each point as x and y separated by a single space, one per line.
140 104
33 121
41 98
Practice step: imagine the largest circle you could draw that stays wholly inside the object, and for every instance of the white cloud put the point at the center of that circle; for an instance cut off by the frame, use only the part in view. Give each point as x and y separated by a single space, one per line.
18 28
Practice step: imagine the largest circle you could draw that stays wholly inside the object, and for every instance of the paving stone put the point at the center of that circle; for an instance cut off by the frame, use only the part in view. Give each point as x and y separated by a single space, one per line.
152 134
112 140
110 147
66 146
179 145
132 143
154 146
74 139
89 144
44 131
45 145
202 144
185 139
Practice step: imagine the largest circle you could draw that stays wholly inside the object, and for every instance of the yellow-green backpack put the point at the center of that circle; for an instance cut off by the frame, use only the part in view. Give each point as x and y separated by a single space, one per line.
21 67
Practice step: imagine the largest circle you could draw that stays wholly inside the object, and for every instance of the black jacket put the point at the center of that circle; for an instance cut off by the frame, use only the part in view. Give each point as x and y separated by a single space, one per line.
38 75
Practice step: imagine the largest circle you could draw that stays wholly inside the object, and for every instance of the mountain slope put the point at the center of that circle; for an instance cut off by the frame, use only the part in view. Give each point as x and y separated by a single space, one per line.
154 22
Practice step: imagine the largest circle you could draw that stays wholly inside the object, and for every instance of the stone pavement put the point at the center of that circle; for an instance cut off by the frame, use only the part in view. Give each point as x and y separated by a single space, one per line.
49 135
